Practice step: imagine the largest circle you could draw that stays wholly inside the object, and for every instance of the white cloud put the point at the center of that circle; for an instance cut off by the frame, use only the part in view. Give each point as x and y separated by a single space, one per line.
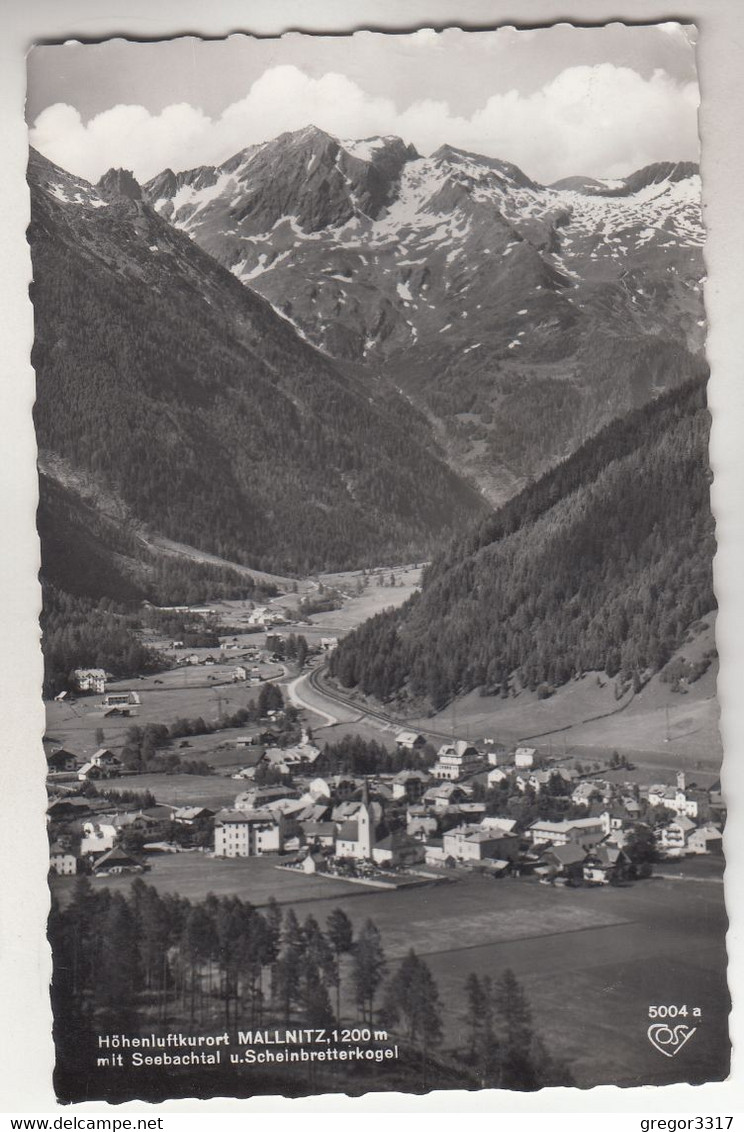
601 120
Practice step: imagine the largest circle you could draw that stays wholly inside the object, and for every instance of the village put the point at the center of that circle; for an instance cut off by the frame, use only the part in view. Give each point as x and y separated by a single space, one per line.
435 810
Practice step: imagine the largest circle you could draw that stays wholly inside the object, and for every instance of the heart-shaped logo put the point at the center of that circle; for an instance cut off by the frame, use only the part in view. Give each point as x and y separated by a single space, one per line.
669 1040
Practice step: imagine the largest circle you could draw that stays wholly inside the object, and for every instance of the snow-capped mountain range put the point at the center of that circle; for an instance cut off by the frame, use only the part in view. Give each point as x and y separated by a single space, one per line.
370 248
502 307
518 317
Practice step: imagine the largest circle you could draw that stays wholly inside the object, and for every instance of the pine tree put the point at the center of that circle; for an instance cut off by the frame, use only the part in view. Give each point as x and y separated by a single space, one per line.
341 937
368 968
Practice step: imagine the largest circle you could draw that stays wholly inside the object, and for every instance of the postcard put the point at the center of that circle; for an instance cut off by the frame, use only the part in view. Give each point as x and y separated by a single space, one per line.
378 619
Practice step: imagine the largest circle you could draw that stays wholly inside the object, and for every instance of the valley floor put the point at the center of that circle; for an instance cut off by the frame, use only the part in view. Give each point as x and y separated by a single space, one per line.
591 961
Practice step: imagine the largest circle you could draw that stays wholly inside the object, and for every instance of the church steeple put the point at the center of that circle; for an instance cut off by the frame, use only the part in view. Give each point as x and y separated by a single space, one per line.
365 832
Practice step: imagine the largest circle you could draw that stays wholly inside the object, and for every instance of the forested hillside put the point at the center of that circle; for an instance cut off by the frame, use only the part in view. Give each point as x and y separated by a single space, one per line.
168 383
601 565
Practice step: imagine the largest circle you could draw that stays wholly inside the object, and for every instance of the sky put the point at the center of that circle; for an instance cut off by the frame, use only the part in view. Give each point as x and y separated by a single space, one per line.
556 101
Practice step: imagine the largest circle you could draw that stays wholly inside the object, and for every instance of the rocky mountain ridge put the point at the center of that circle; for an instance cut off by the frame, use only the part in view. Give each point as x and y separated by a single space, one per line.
473 290
184 395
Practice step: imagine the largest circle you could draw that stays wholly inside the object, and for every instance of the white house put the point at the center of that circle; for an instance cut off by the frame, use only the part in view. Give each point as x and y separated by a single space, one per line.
524 758
97 837
672 838
706 839
248 833
575 830
90 679
468 844
62 861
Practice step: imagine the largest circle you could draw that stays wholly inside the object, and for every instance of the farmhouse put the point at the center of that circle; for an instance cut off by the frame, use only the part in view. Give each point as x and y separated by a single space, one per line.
706 839
188 815
562 861
410 784
61 760
103 764
258 796
116 861
409 741
604 864
443 795
398 850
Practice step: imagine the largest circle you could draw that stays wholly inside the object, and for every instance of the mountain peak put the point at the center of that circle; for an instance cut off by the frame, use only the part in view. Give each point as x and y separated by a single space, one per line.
307 134
513 173
118 184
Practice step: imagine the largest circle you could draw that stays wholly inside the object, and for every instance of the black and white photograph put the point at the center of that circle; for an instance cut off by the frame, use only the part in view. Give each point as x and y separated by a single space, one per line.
377 605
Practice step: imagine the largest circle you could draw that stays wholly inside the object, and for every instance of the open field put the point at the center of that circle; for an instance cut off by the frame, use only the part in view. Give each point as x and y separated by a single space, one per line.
659 724
193 875
357 607
182 789
590 960
184 692
373 599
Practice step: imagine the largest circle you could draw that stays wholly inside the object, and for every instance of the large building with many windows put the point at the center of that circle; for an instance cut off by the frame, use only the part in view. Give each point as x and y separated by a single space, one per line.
248 833
456 761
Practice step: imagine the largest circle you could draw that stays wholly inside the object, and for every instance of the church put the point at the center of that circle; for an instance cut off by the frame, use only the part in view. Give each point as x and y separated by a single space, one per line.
357 837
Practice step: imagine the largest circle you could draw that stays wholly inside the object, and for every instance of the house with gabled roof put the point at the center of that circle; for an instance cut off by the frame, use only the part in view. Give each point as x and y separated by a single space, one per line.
562 861
398 850
322 833
455 761
115 861
90 679
61 760
707 839
409 741
410 784
444 794
580 831
62 860
605 864
672 837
